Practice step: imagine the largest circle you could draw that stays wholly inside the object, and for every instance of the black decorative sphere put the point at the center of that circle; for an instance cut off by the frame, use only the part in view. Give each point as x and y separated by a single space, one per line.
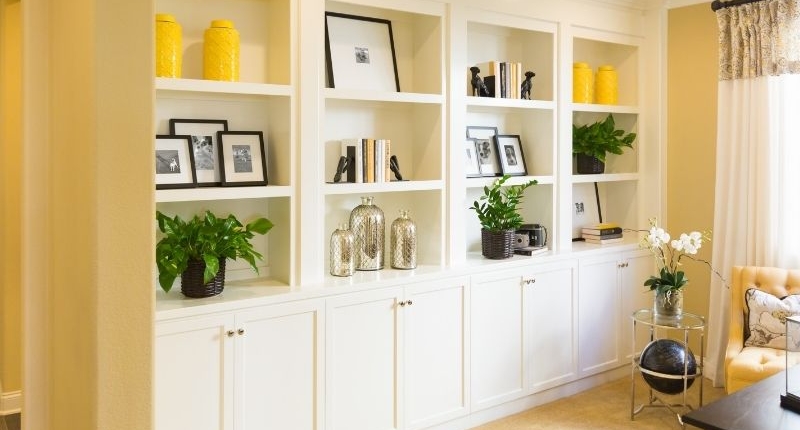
669 357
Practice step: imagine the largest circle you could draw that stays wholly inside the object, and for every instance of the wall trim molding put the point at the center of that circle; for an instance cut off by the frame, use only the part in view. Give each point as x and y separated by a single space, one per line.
10 402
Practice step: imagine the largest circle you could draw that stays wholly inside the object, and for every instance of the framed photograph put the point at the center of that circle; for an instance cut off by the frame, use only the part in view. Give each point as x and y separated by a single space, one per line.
174 162
472 165
242 158
204 144
359 53
486 146
585 211
512 161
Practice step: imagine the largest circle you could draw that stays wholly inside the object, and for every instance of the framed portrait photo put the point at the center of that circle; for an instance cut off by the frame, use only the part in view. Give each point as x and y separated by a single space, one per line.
512 161
203 134
486 147
472 166
174 162
585 211
243 159
359 53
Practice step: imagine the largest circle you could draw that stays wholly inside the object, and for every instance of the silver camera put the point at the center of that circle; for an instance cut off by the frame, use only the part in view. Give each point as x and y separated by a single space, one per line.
521 239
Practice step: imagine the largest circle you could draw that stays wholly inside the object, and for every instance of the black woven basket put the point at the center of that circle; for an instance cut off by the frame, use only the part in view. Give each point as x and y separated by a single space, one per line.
497 245
192 280
589 165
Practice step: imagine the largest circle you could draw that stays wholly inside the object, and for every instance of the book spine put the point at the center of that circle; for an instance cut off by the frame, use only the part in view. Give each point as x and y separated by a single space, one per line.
602 231
369 167
503 80
379 160
387 155
360 160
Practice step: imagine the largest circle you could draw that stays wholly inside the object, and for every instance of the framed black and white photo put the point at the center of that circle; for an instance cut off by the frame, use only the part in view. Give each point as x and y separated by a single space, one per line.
486 147
242 158
359 53
204 135
174 162
585 211
472 166
512 161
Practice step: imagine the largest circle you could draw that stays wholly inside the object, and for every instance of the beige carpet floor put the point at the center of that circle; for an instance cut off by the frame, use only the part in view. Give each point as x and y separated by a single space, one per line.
607 407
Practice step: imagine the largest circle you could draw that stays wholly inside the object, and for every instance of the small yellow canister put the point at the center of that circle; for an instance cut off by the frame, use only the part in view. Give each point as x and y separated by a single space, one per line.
221 51
606 86
582 83
169 46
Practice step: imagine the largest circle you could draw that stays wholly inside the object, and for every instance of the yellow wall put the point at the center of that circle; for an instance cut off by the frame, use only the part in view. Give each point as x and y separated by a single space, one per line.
10 161
691 135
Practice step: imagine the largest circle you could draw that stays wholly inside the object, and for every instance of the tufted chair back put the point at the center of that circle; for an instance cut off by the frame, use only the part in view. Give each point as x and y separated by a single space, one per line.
776 281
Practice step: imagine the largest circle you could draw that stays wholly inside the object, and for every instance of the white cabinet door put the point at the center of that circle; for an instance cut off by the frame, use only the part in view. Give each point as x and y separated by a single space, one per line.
363 340
496 345
599 312
550 326
434 357
276 366
194 374
637 266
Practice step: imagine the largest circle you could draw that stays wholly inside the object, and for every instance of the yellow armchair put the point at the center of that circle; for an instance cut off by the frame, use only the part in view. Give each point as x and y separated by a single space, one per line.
745 365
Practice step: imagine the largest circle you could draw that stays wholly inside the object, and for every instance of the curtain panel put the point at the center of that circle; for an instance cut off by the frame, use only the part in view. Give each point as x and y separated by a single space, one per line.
758 39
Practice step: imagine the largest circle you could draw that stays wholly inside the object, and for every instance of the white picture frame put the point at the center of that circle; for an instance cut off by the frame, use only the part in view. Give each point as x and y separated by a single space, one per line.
486 146
472 166
359 53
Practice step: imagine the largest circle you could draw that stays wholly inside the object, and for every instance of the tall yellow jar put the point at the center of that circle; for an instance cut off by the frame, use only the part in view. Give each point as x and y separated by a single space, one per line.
169 46
582 83
221 51
607 86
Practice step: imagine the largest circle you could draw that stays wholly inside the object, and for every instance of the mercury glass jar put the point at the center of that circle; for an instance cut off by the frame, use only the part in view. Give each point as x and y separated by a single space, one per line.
368 227
606 86
169 46
342 248
403 239
221 51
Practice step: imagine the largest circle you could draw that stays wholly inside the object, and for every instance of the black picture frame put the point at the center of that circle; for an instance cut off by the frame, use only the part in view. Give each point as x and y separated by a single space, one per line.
472 165
174 160
512 158
487 149
243 160
203 134
359 53
585 209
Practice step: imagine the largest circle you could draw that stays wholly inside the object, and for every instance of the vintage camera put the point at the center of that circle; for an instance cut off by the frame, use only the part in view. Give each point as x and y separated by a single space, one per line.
530 235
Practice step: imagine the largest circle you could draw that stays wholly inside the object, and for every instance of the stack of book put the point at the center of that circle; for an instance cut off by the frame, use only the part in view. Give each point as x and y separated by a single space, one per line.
502 79
602 233
367 160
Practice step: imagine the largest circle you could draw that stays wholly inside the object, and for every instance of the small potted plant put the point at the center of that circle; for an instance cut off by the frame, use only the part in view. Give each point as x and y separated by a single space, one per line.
591 143
196 250
497 213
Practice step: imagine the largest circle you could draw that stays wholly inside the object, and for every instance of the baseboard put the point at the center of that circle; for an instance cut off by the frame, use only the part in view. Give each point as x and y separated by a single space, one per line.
10 402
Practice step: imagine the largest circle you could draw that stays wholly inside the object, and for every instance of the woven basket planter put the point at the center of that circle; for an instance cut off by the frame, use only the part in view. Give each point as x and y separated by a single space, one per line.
192 280
497 245
588 165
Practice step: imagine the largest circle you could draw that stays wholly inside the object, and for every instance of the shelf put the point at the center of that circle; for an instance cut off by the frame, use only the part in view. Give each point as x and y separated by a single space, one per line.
382 187
476 103
593 107
514 180
222 87
222 193
605 177
377 96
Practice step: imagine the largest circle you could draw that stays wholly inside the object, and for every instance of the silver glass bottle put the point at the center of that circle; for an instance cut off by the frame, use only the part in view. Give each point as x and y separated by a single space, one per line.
368 227
404 242
341 253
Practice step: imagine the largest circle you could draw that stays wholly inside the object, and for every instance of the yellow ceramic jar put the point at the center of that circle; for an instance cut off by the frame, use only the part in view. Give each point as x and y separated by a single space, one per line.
582 88
606 86
169 46
221 51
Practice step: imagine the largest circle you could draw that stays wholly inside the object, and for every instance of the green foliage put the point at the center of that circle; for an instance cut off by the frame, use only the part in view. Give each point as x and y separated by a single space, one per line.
600 138
207 239
497 208
666 281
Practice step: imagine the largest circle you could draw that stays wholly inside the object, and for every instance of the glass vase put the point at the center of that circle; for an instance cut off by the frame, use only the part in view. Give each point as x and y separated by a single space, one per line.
668 306
403 238
368 227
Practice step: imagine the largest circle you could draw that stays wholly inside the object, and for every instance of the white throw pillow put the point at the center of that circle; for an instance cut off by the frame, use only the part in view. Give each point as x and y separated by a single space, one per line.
766 315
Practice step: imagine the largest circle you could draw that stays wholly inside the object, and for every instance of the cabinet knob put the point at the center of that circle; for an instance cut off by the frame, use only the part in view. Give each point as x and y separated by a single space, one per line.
530 281
240 331
230 333
402 303
409 302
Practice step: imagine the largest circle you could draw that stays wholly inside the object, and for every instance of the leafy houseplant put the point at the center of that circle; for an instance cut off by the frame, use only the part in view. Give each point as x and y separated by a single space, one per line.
209 240
497 213
592 142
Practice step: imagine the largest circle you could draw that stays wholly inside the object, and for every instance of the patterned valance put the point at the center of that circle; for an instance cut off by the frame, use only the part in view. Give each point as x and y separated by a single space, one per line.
759 38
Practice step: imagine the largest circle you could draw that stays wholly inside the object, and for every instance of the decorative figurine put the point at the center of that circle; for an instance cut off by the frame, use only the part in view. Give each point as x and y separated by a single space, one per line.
341 168
395 167
525 91
478 87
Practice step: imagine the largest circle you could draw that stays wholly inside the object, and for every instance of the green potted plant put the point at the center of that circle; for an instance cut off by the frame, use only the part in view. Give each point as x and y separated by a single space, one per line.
497 213
591 143
197 249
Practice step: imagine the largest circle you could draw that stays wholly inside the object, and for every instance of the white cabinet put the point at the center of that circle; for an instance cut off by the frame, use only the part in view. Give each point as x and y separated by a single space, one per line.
395 357
522 331
607 296
252 369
